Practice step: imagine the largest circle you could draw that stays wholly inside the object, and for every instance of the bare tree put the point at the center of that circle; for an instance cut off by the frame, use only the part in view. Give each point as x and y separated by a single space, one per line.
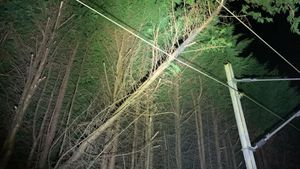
177 109
136 91
199 127
52 126
215 120
38 132
149 132
38 62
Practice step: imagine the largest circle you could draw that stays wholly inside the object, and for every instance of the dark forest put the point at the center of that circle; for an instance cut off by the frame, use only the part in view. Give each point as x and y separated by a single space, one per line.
149 84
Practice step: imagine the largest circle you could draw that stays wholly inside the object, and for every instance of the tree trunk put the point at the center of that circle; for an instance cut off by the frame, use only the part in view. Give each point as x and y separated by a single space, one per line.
72 103
36 69
177 110
226 154
112 160
134 145
136 91
37 138
216 138
149 132
52 127
232 152
199 132
111 147
166 153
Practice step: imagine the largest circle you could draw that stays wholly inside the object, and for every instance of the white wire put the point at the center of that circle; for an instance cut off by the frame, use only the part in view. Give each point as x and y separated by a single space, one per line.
242 94
195 69
121 26
205 74
266 80
260 38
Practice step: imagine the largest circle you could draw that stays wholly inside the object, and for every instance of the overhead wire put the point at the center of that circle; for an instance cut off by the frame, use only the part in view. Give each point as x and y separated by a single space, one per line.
186 64
246 80
260 38
123 27
269 110
240 93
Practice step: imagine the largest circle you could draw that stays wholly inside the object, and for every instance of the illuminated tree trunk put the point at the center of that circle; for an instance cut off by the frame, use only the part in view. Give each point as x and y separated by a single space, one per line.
177 110
38 137
149 132
166 153
52 127
134 146
209 150
199 131
72 104
136 91
216 138
105 160
115 143
111 147
37 65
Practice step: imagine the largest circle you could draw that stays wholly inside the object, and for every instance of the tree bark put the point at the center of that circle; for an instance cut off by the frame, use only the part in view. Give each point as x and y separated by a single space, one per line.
199 131
134 145
111 147
115 144
166 153
72 103
216 138
37 137
226 154
52 127
231 149
149 132
36 69
177 110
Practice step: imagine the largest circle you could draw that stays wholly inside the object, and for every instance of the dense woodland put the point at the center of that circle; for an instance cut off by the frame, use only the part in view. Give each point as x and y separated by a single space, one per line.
78 91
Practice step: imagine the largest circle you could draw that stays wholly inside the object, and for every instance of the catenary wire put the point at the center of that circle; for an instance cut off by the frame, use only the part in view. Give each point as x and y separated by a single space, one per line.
260 38
246 80
195 69
240 93
121 26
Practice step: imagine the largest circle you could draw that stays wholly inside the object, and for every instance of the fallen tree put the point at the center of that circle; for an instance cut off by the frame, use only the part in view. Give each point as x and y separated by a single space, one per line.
135 92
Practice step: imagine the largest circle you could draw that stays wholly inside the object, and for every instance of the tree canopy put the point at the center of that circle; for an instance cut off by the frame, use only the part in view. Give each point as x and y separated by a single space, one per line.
81 91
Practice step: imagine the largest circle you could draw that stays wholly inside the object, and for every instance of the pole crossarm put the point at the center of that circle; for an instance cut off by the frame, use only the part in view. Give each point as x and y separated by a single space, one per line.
264 140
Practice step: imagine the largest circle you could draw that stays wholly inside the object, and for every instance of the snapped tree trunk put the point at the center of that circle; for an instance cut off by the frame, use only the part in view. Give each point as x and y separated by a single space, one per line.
135 93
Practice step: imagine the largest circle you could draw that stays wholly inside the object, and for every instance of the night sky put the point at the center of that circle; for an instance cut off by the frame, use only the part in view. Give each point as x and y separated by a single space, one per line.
279 36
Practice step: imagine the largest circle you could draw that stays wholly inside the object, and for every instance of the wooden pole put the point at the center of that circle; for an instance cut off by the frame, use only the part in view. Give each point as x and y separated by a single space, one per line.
240 119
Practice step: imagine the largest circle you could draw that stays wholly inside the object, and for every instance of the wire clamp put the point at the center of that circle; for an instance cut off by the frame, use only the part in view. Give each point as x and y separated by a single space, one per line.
253 149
